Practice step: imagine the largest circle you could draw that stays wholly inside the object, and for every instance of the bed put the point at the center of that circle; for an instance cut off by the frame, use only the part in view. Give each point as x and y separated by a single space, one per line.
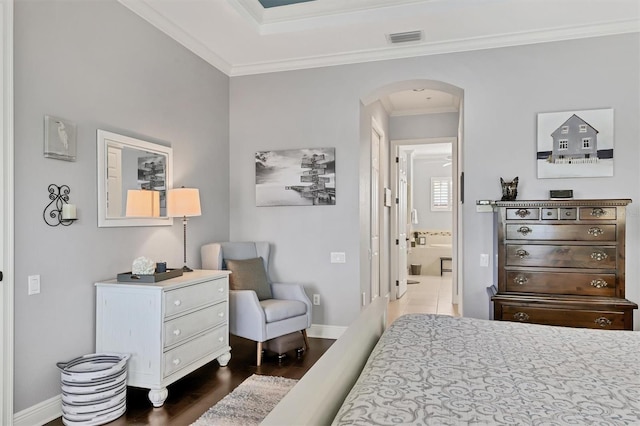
431 369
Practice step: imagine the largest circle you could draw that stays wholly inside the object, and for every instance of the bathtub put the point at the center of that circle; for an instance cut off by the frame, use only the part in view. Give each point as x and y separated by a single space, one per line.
437 244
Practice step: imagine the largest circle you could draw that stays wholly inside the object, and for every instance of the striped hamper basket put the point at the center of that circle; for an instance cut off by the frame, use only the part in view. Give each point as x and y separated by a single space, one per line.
94 388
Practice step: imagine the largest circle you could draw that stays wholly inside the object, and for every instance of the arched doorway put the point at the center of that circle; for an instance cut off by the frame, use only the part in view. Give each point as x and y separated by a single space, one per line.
387 204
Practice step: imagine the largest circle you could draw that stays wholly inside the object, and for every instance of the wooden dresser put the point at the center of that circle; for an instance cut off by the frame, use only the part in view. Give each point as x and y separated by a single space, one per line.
562 263
170 328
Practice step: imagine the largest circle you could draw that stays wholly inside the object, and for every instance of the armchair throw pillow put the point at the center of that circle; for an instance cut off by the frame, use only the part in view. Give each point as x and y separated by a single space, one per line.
249 274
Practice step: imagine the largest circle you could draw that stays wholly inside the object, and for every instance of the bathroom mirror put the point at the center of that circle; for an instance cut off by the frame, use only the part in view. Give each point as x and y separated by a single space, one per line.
131 170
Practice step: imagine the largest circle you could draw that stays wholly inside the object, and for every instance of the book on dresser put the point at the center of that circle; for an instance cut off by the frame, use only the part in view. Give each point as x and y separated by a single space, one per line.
562 262
170 328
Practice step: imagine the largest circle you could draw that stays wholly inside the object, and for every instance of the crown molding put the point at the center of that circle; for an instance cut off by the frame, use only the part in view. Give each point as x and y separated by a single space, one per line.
143 9
436 48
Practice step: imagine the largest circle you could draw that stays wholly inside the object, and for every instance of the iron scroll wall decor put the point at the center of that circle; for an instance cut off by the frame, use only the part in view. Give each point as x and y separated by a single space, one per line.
59 211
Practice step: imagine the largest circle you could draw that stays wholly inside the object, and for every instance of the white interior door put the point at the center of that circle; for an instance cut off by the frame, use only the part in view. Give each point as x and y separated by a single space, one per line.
114 182
375 213
402 223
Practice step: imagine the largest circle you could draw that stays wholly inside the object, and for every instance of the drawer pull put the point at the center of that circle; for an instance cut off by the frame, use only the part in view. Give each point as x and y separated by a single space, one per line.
597 212
221 290
567 214
599 283
595 231
523 212
177 331
220 339
521 280
521 316
176 361
523 253
524 230
603 322
221 314
598 256
177 303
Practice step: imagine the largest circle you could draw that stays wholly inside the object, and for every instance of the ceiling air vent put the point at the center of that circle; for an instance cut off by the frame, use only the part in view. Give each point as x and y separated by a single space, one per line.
405 37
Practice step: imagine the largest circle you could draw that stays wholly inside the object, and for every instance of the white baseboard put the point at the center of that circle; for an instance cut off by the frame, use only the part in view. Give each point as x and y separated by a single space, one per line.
40 413
325 331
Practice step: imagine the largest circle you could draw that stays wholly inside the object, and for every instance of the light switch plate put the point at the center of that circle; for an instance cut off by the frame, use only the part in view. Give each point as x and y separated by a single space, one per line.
338 257
34 284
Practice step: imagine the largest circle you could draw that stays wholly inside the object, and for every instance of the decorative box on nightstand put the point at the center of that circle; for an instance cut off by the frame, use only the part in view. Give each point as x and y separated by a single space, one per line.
170 328
562 262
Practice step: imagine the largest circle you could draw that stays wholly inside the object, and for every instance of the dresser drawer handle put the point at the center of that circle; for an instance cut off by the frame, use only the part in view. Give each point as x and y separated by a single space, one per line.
220 339
524 230
221 290
603 322
522 253
221 314
177 303
176 361
598 256
177 331
523 212
599 283
521 280
597 212
595 231
521 316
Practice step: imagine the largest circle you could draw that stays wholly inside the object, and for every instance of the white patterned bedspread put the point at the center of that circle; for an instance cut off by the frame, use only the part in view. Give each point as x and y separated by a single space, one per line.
440 370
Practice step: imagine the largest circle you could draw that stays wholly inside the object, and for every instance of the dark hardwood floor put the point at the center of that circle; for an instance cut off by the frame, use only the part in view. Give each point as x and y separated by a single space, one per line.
192 395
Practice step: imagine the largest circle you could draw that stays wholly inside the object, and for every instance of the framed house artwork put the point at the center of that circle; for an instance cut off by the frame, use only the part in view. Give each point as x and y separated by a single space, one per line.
296 177
575 144
59 139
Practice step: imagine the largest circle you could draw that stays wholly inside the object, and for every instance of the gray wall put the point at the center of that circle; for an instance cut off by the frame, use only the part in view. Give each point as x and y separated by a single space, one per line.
423 126
423 170
504 90
102 67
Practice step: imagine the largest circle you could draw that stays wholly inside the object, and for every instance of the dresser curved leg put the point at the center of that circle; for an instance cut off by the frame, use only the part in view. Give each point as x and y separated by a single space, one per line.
224 359
158 396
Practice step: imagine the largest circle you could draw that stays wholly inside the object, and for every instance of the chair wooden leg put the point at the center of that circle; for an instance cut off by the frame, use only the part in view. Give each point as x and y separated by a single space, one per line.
306 339
259 355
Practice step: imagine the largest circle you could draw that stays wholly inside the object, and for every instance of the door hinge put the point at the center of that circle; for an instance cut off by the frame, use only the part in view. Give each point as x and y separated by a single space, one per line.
397 159
397 200
397 242
397 283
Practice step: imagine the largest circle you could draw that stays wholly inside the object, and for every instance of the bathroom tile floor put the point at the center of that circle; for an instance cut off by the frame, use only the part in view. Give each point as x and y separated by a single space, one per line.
431 295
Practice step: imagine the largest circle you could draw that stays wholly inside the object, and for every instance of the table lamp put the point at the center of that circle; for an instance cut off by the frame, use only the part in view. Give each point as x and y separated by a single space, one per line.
184 202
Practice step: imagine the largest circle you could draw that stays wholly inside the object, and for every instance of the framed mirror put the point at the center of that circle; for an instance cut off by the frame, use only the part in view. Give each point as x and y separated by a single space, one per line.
133 179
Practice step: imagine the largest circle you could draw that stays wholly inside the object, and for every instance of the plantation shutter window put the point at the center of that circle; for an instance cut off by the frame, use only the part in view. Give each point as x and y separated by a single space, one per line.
441 194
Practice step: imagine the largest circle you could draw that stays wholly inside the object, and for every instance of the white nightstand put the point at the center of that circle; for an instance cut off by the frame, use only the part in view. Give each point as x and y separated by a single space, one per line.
170 328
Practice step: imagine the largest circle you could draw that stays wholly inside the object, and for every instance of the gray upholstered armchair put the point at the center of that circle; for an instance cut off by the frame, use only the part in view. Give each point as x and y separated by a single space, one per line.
286 310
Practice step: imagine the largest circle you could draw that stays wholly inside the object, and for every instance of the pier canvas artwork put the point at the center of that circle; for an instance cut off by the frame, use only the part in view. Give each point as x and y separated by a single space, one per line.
296 177
575 144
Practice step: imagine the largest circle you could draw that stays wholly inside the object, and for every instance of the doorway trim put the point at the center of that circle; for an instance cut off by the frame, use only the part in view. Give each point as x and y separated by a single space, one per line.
456 210
7 216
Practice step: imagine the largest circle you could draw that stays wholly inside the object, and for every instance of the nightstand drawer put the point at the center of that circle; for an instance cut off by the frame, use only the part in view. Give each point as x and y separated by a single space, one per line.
608 320
561 256
524 213
603 285
571 232
194 350
194 296
597 213
184 327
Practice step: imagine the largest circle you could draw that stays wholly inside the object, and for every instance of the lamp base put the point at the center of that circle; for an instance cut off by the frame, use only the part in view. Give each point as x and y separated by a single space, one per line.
185 268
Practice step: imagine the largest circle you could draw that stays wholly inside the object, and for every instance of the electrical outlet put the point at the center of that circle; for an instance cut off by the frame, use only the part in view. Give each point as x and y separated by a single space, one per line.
338 257
316 299
33 284
484 260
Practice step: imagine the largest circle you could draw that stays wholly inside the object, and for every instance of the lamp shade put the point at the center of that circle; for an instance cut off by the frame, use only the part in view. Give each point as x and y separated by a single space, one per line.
183 202
143 203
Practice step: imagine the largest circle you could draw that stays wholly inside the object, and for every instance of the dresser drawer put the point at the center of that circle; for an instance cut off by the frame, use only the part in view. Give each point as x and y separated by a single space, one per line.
597 213
184 327
185 298
548 232
610 320
194 350
603 285
561 256
523 213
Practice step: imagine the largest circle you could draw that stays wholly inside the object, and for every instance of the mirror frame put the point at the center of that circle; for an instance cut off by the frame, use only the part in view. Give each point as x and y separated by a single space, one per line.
105 138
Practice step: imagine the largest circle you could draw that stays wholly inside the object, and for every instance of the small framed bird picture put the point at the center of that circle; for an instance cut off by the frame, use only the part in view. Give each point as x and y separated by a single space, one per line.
59 138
